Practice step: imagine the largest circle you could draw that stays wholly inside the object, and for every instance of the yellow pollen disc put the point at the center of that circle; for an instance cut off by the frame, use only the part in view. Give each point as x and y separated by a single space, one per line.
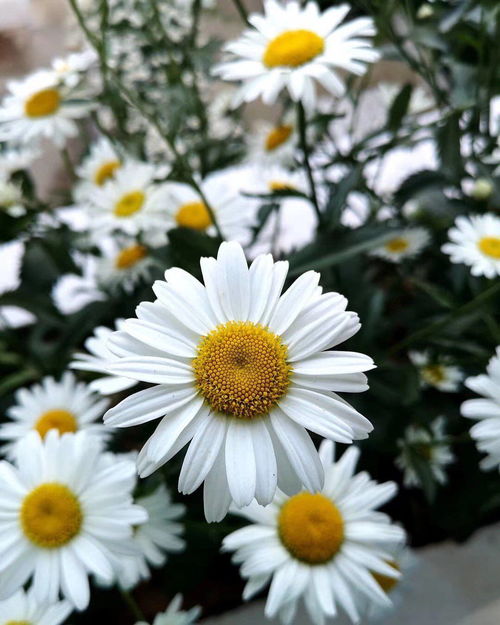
311 528
129 256
61 420
241 369
18 623
396 245
433 374
490 246
43 103
277 136
384 581
51 516
293 48
193 215
129 204
105 172
276 185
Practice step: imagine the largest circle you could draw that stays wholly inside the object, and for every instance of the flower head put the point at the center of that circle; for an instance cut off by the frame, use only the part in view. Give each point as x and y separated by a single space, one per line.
436 372
403 244
23 608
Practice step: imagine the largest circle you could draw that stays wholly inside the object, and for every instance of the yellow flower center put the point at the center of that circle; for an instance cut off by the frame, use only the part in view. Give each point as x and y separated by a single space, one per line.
397 245
277 136
129 204
311 528
384 581
490 246
105 172
293 48
433 374
278 185
18 623
61 420
129 256
193 215
241 369
43 103
51 516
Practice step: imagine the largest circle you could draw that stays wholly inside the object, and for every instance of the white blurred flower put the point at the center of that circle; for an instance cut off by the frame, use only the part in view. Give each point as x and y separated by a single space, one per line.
402 244
439 374
174 615
23 608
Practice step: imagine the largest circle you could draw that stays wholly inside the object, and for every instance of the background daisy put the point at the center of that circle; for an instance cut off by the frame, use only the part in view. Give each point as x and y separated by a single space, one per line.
444 377
174 615
402 244
24 609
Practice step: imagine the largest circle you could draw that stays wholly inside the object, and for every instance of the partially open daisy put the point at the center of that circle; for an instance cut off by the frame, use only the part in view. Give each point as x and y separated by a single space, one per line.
124 264
291 47
486 411
64 405
39 106
23 609
154 539
323 547
273 143
97 359
174 615
475 241
424 446
240 371
436 372
403 244
99 166
65 511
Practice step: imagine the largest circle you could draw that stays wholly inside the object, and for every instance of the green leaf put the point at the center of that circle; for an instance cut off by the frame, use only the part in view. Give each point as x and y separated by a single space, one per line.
448 144
418 183
399 108
338 195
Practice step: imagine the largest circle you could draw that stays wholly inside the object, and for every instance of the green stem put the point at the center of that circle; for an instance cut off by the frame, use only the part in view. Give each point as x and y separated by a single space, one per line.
301 123
240 7
132 605
68 164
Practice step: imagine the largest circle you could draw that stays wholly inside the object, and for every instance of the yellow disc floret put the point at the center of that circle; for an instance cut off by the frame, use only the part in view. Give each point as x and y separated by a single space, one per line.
277 136
129 256
61 420
278 185
42 103
241 369
193 215
311 527
397 245
105 172
433 374
490 246
129 204
384 581
293 48
51 516
18 623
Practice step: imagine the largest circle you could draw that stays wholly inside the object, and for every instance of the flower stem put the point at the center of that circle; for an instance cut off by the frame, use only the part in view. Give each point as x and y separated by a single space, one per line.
240 7
68 164
132 604
301 123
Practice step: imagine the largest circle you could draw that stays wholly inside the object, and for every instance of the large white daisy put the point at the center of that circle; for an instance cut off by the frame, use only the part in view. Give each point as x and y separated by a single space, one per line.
65 511
291 47
240 371
23 609
173 615
64 405
40 106
402 244
322 547
475 241
97 359
486 411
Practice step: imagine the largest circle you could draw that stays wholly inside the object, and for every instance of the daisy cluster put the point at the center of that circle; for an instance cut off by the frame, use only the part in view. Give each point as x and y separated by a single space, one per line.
209 297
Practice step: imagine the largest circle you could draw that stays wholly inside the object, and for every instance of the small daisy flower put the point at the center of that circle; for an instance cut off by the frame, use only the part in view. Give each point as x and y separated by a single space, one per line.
291 47
175 616
475 241
273 144
39 106
24 609
402 244
65 512
324 547
240 371
444 377
123 265
154 539
73 67
486 410
14 159
429 446
97 358
99 166
11 199
64 405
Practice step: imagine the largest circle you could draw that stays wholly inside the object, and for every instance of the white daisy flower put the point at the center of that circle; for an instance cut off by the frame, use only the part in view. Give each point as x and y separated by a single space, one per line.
16 158
71 68
430 447
475 241
486 410
322 547
99 166
11 199
65 512
240 371
97 359
271 144
156 538
402 244
131 202
174 615
24 609
64 405
291 47
123 264
39 106
444 377
234 213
